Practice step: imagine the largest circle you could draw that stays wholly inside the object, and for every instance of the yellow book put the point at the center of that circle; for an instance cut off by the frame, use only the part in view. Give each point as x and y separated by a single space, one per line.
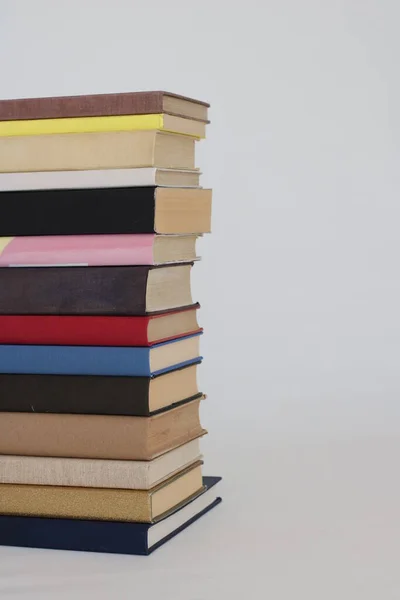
160 122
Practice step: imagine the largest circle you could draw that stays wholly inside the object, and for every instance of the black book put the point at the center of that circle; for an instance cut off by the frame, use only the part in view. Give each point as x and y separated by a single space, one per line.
105 211
97 395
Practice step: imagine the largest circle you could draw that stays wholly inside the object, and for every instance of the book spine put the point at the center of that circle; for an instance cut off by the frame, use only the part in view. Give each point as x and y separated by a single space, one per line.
75 394
74 331
57 180
75 360
74 291
78 212
82 106
74 250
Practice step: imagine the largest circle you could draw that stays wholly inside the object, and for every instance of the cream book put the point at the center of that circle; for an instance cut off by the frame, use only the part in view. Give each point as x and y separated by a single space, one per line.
104 504
100 178
76 472
105 150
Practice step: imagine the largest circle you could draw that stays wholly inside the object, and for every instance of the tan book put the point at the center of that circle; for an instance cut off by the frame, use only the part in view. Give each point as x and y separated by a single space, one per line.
105 150
142 506
99 436
85 472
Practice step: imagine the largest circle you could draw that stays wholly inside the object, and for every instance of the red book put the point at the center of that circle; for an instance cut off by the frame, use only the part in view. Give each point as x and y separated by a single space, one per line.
98 330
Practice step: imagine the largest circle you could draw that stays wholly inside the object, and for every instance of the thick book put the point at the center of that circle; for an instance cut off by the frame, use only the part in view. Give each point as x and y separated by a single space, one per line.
160 122
54 330
104 504
101 360
84 472
97 394
106 211
94 105
96 250
98 436
104 150
101 178
121 291
106 536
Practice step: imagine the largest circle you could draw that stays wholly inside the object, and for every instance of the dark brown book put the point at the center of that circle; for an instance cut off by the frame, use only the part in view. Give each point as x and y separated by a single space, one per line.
94 290
130 103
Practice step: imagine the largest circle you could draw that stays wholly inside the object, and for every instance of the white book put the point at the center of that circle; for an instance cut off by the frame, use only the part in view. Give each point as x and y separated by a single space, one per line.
102 178
77 472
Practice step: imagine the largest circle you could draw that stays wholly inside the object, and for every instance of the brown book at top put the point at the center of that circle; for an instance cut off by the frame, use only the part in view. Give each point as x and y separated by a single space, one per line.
98 105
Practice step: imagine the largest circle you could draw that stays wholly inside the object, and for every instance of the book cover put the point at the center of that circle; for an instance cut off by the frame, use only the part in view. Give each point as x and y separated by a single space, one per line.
128 103
99 436
100 360
95 250
105 211
119 291
67 330
106 536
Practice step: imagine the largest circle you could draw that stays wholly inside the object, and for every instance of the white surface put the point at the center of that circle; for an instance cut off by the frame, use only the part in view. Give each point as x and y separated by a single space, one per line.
306 213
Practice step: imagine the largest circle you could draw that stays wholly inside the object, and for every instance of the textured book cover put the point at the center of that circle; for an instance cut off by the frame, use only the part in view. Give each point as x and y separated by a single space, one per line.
120 291
105 211
94 250
128 103
80 330
106 536
100 360
99 436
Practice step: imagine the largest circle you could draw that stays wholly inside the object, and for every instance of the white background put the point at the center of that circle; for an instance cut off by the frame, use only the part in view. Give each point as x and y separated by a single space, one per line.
299 284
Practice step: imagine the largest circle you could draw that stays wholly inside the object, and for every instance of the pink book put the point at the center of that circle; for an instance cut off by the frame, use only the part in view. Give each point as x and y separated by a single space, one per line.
96 250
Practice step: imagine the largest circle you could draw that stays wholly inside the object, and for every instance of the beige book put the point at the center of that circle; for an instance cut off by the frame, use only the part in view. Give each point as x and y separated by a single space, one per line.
99 436
85 472
106 150
142 506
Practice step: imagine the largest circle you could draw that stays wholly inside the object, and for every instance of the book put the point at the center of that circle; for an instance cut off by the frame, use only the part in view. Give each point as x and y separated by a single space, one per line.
106 211
99 436
97 394
104 150
107 536
101 360
81 330
96 250
84 472
160 122
105 504
101 178
128 103
94 290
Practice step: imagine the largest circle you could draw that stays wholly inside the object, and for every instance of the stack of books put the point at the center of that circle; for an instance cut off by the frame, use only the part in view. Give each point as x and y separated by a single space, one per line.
99 336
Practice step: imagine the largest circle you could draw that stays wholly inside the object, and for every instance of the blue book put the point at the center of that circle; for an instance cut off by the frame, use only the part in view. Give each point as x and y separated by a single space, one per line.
106 536
101 360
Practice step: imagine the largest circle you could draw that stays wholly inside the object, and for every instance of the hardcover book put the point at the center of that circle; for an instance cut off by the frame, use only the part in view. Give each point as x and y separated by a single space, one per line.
101 178
106 536
106 211
97 394
96 250
80 330
128 103
121 291
101 360
105 504
104 150
84 472
160 122
98 436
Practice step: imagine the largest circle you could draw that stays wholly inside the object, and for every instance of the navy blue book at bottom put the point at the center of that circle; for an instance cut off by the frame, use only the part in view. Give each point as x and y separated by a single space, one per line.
105 536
